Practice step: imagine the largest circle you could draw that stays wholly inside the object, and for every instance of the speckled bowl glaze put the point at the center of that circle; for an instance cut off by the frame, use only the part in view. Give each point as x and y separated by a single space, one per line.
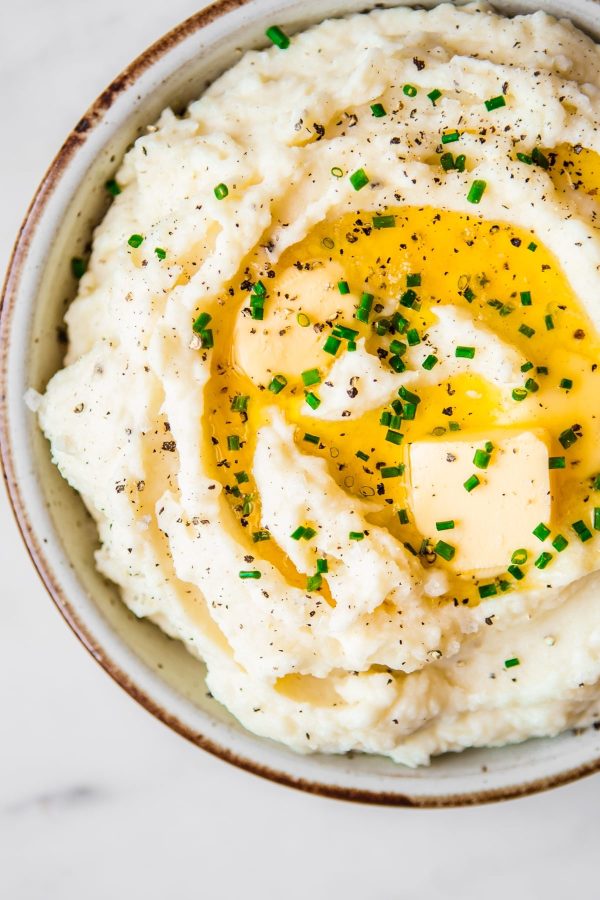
59 534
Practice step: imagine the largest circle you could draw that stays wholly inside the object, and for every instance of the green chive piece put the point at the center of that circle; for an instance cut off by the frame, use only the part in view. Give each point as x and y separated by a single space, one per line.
361 455
519 394
78 267
160 253
446 525
526 367
471 483
582 531
408 299
233 442
468 295
413 280
298 533
481 459
543 560
278 37
206 339
309 533
405 394
596 518
239 403
430 361
541 531
343 287
495 103
460 162
434 95
322 566
454 426
314 582
447 161
221 191
476 191
356 535
450 137
112 187
516 572
531 385
250 573
525 298
556 462
409 412
332 345
398 347
258 536
487 590
394 437
257 313
519 556
526 330
378 110
337 172
465 352
312 399
403 516
524 158
385 418
549 323
201 322
278 383
399 323
311 438
511 663
310 376
559 543
384 221
446 551
539 158
566 384
532 246
135 241
413 338
342 331
567 438
391 471
359 179
241 477
409 90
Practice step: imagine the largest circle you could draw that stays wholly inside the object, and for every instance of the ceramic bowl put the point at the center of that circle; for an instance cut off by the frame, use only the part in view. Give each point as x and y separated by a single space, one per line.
59 534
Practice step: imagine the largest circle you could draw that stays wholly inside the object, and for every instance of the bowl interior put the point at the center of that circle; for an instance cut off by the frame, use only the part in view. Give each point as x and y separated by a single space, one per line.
60 534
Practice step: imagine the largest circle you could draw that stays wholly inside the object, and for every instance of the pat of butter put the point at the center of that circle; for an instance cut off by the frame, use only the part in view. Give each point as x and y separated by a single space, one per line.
496 517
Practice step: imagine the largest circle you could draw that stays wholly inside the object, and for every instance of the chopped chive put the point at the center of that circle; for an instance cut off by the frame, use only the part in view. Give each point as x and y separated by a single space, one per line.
259 289
384 221
78 267
465 352
249 573
434 95
559 543
278 37
403 516
356 535
549 323
112 187
136 240
519 556
298 533
394 437
581 530
516 572
398 347
446 551
481 459
454 426
409 412
566 384
469 295
476 191
391 471
361 455
429 362
257 313
221 191
541 531
258 536
447 161
531 385
567 438
206 339
526 367
277 384
385 418
378 110
539 158
201 322
332 345
526 330
405 394
532 246
511 663
399 323
524 158
487 590
311 438
241 477
596 518
413 338
525 298
460 162
309 533
160 253
359 179
446 525
543 560
322 566
556 462
409 90
450 137
471 483
408 298
519 394
337 172
495 103
302 320
312 399
488 446
348 334
413 280
343 287
233 442
314 582
382 326
310 376
240 403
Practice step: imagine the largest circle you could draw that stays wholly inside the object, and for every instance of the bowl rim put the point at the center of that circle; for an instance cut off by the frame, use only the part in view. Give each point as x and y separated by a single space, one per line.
8 297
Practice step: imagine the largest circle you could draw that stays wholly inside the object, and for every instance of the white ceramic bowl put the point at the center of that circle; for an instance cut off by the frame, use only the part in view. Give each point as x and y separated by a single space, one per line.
60 535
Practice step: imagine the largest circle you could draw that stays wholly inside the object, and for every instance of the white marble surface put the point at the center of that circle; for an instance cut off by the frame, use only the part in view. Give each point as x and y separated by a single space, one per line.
99 800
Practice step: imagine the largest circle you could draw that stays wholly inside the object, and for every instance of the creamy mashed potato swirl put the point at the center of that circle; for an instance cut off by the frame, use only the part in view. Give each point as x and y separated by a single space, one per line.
331 386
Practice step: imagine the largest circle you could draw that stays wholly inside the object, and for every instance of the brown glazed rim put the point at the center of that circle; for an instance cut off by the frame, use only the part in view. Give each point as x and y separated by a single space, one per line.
75 140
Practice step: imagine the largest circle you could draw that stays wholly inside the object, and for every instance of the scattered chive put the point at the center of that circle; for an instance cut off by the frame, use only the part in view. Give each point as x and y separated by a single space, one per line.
559 543
309 533
460 162
359 179
201 322
240 403
310 376
541 370
488 446
434 95
322 566
332 345
516 572
446 551
278 37
539 158
447 161
566 384
531 385
465 352
221 191
429 362
399 323
525 298
487 590
361 455
408 298
233 442
398 347
112 187
403 516
543 560
337 172
298 533
476 191
241 477
446 525
532 246
519 394
526 330
343 287
136 240
454 426
549 322
541 531
413 280
409 411
312 399
526 367
524 158
471 483
311 438
481 459
511 663
384 221
394 437
160 253
495 103
409 90
314 582
378 110
405 394
596 518
556 462
258 536
385 418
391 471
356 535
468 295
519 556
581 530
206 339
277 384
348 334
413 338
567 438
249 573
78 267
450 136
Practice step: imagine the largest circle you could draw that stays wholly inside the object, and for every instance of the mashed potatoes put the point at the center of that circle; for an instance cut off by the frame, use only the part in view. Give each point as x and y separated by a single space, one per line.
332 385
